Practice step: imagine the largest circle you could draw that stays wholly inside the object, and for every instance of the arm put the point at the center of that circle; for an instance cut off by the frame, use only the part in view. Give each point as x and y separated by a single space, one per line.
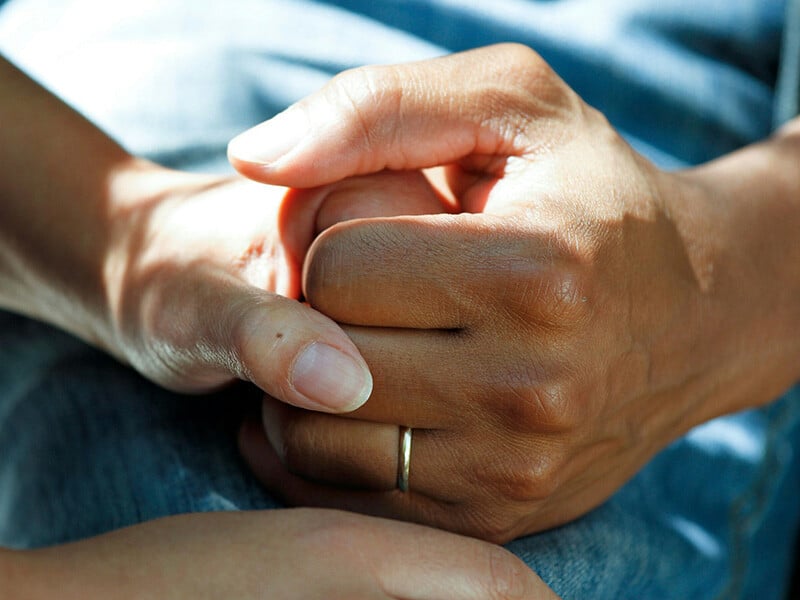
191 279
740 221
57 177
584 310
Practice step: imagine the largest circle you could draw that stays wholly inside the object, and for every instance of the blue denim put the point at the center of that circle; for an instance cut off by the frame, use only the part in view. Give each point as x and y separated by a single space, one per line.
87 445
787 91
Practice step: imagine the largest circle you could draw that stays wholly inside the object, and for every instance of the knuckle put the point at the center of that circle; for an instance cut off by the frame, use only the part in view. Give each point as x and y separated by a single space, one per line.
541 476
529 476
489 525
565 298
545 93
531 406
364 85
367 98
522 64
549 279
557 298
553 407
519 53
157 318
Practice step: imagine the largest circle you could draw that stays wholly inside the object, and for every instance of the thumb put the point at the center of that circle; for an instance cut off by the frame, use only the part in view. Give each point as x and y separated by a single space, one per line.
306 213
298 355
491 102
226 328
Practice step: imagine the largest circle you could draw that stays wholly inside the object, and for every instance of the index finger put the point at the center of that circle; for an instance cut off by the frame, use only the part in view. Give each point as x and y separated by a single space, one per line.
409 116
423 272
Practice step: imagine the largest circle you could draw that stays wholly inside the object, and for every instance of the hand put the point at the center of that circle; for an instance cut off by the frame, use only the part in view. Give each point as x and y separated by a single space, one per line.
191 279
204 275
585 310
280 555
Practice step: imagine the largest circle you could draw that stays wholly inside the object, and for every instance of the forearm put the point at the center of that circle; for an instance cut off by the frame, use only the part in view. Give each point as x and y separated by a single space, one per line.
59 188
744 228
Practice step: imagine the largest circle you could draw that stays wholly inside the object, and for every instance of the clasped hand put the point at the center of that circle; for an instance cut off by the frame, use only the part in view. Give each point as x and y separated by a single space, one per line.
543 343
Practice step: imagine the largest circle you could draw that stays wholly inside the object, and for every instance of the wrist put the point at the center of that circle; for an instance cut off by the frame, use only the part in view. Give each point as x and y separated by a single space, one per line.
56 261
137 193
739 217
63 184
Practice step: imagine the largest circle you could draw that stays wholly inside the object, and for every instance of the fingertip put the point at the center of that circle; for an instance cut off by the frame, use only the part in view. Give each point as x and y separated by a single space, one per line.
288 170
330 379
250 437
252 170
269 142
257 452
299 356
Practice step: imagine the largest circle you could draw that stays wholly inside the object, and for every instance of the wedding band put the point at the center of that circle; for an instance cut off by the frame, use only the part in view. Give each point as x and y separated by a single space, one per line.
404 460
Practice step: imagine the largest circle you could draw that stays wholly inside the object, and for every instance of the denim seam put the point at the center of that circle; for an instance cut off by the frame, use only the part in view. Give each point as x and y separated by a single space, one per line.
748 509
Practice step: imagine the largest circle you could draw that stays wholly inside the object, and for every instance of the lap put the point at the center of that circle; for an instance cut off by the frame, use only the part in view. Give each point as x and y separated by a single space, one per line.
89 446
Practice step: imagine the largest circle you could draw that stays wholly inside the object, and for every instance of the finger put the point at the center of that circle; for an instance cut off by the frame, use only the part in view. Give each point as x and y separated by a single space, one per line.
384 194
468 519
350 453
227 328
443 380
299 356
435 271
419 377
410 116
305 213
422 563
364 455
296 490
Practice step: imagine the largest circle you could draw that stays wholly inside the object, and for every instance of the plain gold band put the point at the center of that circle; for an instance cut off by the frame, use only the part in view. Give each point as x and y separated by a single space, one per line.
404 460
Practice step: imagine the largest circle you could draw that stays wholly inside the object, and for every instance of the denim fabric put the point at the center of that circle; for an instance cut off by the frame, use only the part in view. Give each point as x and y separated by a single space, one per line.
86 445
684 80
787 95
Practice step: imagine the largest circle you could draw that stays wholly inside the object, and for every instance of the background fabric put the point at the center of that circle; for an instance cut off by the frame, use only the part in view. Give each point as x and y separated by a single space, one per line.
86 445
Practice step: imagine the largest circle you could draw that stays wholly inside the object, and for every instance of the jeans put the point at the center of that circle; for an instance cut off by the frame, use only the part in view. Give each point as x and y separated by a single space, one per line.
87 445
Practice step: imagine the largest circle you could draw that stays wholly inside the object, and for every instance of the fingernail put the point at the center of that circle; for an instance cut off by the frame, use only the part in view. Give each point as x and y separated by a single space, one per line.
269 141
331 379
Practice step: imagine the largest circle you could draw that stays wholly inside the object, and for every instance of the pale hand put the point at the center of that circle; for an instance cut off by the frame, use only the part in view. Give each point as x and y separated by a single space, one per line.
204 273
192 279
297 554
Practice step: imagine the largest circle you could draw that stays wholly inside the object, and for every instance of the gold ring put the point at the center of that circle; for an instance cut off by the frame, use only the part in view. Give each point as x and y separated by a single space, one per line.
404 460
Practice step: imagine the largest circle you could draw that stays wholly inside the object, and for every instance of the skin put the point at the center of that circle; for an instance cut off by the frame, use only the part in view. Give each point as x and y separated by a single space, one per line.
581 312
191 279
277 555
194 280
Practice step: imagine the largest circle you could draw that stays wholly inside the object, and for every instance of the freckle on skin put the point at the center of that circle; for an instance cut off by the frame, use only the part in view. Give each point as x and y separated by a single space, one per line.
279 335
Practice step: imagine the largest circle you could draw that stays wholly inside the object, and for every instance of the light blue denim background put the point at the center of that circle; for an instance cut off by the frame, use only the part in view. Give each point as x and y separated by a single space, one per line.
87 445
